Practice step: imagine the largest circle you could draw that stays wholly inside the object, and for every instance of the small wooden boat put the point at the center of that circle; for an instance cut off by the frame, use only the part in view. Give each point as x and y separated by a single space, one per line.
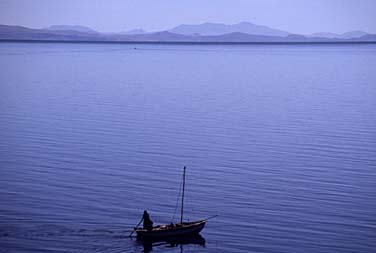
180 229
173 230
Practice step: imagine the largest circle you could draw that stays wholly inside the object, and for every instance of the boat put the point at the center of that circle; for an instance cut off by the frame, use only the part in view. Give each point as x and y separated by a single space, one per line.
182 229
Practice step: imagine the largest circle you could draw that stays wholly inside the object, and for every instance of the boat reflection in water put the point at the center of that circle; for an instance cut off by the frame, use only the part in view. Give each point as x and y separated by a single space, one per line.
171 242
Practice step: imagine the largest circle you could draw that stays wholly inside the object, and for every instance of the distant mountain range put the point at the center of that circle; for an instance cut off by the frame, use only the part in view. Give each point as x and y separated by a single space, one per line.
348 35
77 28
243 32
212 29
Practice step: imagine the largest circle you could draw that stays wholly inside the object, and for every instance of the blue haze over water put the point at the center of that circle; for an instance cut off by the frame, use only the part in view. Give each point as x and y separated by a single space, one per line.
279 141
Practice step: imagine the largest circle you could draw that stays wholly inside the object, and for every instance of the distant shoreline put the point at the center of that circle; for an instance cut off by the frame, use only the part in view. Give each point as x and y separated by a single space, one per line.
189 42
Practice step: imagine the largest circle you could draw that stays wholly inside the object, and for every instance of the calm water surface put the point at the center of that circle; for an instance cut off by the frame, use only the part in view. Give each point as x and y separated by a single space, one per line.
279 141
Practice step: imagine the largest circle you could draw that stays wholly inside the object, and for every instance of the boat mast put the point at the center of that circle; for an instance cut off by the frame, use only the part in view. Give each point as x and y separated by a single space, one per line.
182 198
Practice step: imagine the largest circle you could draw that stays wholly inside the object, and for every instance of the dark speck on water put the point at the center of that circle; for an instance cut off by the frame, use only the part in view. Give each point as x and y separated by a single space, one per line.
279 141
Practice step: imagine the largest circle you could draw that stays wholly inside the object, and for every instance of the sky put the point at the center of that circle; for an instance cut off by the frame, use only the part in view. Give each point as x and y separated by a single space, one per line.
296 16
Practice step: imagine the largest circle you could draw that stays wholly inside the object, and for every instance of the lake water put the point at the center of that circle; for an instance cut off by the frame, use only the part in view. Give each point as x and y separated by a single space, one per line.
279 141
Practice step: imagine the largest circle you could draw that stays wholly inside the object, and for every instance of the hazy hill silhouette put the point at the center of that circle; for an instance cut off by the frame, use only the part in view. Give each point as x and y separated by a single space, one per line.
220 29
86 34
77 28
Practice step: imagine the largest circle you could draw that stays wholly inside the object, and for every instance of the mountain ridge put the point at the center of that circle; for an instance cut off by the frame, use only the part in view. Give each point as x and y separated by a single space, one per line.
77 28
19 33
208 28
346 35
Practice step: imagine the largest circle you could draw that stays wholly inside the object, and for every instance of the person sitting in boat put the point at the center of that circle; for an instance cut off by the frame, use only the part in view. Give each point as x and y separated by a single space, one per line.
148 223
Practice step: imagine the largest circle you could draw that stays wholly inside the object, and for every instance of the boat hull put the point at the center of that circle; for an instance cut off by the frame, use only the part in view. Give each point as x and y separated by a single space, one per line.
184 229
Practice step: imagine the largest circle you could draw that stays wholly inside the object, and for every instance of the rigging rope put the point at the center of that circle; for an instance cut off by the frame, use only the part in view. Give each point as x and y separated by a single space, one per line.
177 201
